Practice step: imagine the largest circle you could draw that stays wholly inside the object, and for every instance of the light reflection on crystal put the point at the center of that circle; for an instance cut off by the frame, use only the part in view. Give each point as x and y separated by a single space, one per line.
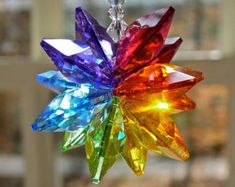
118 102
74 139
106 134
70 110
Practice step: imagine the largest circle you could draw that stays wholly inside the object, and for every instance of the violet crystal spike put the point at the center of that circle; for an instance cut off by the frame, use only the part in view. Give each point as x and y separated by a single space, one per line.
91 32
77 62
57 51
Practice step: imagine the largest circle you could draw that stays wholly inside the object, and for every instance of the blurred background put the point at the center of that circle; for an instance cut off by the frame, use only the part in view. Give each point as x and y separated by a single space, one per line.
30 159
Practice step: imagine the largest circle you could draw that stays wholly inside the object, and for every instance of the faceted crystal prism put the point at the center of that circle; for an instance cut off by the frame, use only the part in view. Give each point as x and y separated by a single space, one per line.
118 25
116 97
134 152
116 29
105 140
78 63
91 32
55 81
157 78
74 139
70 110
143 40
159 130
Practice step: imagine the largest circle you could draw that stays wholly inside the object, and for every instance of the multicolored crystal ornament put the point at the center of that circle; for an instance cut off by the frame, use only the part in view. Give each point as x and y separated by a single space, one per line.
117 98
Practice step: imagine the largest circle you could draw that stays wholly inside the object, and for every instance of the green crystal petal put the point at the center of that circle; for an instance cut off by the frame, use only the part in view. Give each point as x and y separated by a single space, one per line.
105 140
74 139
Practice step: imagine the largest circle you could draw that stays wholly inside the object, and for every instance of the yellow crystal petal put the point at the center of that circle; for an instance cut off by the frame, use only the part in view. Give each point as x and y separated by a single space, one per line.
159 132
134 152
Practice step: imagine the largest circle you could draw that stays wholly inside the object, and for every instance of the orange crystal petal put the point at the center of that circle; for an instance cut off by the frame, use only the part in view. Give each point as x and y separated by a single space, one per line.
161 102
157 78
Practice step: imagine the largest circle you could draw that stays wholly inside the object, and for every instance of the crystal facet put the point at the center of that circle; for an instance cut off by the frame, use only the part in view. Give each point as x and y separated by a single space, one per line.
70 110
117 98
118 25
78 63
92 33
157 78
105 140
160 130
74 139
168 51
143 40
134 152
55 81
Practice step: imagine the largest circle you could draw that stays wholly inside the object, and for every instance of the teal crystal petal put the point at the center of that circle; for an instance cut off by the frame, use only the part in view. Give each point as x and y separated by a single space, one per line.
71 110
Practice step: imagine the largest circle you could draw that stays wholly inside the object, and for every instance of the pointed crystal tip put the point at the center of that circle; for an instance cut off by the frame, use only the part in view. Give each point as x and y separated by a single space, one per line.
95 181
35 127
63 148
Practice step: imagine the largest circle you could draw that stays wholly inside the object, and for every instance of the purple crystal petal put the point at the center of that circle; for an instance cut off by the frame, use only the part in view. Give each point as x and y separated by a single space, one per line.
77 62
91 32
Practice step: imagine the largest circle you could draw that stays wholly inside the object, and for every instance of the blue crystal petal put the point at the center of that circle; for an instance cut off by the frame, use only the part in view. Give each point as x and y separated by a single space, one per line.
91 32
72 109
55 81
77 62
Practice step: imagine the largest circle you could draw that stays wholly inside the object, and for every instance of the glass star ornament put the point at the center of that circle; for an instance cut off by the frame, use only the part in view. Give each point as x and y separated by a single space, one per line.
117 98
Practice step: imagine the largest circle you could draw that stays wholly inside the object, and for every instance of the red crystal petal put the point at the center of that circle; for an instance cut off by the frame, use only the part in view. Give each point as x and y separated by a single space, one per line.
164 57
168 51
143 40
157 78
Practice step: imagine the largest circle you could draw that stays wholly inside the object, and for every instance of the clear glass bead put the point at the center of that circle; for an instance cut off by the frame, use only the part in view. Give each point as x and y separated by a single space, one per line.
116 29
116 2
116 13
118 25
